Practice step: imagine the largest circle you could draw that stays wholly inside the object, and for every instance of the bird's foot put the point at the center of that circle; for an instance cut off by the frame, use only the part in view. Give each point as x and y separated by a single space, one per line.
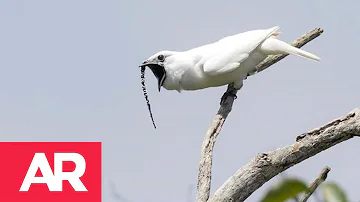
227 94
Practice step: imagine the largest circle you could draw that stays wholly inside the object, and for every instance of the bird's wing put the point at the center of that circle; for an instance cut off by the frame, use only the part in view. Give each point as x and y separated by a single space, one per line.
233 50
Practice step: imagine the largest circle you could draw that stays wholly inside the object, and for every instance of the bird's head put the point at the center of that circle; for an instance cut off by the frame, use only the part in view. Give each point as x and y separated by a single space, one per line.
157 64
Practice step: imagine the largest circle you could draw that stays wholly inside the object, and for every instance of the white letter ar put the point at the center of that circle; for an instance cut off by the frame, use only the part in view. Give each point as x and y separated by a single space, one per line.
54 182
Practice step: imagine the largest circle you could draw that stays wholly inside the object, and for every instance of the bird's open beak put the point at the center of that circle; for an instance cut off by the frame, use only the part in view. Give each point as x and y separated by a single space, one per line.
158 70
145 63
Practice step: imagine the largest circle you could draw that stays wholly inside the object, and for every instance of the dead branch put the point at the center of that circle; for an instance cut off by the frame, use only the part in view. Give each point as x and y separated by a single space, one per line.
314 185
267 165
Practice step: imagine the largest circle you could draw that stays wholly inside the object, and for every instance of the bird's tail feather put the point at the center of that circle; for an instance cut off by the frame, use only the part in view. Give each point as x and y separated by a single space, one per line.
273 46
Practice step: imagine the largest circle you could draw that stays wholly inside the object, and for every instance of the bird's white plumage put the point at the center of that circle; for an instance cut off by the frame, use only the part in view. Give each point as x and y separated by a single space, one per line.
229 60
233 50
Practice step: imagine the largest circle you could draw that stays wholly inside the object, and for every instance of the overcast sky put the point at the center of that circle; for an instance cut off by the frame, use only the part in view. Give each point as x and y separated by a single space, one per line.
69 72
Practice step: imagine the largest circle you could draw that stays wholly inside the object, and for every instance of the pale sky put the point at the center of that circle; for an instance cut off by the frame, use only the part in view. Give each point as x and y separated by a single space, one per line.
69 72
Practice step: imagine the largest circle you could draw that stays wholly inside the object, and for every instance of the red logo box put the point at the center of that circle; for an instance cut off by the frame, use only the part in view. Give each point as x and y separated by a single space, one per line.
50 171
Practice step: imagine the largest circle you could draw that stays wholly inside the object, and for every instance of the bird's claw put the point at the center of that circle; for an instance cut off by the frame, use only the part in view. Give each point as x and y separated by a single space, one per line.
227 94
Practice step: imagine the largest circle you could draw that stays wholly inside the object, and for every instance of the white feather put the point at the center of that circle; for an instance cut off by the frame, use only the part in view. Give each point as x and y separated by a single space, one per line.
273 46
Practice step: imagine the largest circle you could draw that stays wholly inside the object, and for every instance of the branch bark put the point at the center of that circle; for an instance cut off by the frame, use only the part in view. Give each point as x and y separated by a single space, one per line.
314 185
267 165
204 176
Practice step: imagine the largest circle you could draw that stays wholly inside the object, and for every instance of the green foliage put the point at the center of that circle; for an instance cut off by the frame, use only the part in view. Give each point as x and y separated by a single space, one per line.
284 190
333 193
290 188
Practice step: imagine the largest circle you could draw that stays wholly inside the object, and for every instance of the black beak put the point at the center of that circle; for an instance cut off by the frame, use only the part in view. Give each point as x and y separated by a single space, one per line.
158 71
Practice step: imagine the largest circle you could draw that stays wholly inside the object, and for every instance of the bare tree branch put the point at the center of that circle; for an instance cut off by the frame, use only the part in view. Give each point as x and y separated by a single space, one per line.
204 176
267 165
314 185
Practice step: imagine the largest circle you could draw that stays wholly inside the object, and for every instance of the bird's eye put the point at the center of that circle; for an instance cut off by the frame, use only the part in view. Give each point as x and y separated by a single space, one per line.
161 58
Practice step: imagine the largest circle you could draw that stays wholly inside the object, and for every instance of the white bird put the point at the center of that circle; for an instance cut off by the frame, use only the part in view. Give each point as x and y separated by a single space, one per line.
229 60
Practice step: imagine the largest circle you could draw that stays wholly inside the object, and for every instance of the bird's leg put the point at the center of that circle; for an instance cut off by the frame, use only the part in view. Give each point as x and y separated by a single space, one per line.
227 94
231 91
